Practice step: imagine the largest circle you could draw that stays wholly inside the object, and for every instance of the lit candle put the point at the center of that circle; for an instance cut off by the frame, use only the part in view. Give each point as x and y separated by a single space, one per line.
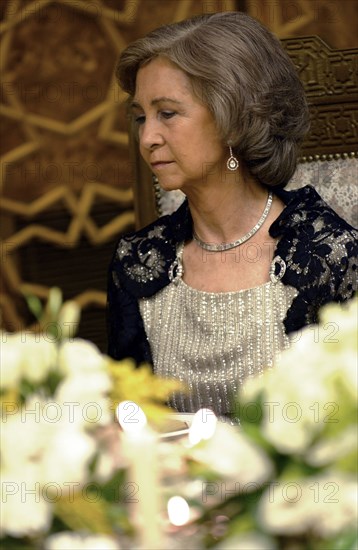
178 511
203 426
140 445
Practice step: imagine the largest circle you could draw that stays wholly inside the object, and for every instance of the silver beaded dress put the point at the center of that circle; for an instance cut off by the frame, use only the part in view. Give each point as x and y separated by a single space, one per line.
213 341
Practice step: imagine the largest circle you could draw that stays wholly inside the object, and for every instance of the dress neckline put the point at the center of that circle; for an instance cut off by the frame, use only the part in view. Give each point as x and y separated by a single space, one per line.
226 292
179 279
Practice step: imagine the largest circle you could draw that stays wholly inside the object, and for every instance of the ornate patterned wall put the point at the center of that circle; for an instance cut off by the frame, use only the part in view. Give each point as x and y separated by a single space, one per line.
335 21
66 192
66 177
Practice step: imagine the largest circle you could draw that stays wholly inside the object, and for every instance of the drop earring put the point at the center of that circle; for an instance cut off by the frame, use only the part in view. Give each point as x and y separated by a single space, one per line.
232 162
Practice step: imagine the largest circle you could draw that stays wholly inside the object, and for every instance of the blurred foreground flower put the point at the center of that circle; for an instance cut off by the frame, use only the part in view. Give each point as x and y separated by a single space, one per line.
68 540
141 386
310 397
239 459
61 467
322 506
301 419
285 478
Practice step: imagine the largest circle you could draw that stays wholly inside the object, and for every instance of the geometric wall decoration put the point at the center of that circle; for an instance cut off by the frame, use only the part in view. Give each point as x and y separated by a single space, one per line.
334 21
330 78
64 154
66 176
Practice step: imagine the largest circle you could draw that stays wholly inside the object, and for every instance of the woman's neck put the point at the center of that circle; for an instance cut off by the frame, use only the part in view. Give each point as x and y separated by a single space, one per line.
223 213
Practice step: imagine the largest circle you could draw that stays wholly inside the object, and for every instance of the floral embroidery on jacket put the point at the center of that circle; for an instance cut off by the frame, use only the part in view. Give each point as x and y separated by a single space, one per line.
320 250
142 259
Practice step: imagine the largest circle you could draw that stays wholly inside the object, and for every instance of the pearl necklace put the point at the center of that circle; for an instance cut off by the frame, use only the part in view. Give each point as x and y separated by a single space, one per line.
227 246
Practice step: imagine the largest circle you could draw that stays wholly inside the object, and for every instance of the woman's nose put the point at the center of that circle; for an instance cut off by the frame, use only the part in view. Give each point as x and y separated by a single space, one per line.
150 135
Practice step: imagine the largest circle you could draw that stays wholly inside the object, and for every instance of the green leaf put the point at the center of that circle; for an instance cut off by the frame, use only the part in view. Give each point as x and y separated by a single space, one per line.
251 413
254 432
119 519
84 512
10 543
345 541
243 523
114 489
53 380
348 463
35 306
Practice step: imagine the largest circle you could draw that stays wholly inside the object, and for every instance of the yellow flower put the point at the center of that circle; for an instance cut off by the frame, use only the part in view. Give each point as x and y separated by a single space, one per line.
142 387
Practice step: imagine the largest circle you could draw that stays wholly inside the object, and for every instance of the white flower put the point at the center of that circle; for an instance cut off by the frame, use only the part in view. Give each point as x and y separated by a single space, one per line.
337 507
294 396
68 540
54 302
329 450
39 356
343 318
24 435
26 355
286 508
10 361
304 391
35 451
80 357
67 456
86 398
24 511
84 388
325 505
68 319
340 343
45 447
232 455
35 435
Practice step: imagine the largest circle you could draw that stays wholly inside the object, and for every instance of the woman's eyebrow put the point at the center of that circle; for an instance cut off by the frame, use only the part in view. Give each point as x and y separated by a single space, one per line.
135 105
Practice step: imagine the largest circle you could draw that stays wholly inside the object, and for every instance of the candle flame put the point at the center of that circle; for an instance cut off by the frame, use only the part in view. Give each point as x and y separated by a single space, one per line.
178 511
130 416
203 426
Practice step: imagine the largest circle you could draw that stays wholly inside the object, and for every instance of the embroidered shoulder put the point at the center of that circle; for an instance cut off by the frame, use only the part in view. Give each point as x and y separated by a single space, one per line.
142 257
320 250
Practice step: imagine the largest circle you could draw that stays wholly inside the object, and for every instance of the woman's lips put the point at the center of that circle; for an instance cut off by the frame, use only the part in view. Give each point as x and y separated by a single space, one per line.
160 165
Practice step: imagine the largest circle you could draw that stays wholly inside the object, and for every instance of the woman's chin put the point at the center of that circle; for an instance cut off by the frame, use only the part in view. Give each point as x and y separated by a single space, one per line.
170 185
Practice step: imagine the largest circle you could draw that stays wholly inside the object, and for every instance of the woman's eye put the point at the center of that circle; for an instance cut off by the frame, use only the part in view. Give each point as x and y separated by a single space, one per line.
139 119
167 114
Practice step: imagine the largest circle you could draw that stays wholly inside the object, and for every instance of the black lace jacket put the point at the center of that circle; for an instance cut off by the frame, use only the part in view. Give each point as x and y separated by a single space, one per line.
318 247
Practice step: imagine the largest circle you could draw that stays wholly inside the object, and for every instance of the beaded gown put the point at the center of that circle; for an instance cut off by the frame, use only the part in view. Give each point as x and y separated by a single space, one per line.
213 341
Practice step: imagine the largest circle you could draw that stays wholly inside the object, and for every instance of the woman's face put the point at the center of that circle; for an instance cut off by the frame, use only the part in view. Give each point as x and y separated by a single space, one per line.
177 134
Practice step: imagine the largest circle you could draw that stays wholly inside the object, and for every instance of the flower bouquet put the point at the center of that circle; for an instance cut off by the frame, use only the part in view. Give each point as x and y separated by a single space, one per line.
63 470
283 479
287 477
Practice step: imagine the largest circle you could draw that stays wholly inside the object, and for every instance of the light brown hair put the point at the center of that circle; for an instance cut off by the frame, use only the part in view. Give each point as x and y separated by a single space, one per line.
240 71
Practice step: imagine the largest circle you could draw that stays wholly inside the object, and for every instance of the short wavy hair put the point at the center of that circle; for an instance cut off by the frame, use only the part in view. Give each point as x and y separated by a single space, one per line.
240 71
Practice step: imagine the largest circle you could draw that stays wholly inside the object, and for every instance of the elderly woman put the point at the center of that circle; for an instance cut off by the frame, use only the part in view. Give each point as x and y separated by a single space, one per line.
210 294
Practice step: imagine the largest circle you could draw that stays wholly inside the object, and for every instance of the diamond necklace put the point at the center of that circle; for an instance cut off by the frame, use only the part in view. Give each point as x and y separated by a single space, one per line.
228 246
